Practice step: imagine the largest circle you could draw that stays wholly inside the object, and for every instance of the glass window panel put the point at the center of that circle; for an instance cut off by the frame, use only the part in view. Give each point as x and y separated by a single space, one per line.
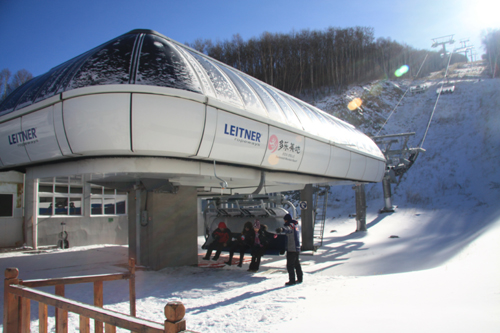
30 94
96 190
76 189
109 191
121 207
223 88
45 188
162 65
109 206
109 64
336 132
10 102
252 102
272 107
291 117
306 122
75 206
121 192
45 206
52 81
96 206
61 206
208 89
61 189
323 124
6 205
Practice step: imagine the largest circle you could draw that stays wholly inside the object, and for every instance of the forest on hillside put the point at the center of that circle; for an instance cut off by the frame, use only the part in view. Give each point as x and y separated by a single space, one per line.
312 61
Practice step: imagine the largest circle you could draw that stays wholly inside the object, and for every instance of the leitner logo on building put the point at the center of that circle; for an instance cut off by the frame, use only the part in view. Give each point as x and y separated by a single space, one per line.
243 135
24 138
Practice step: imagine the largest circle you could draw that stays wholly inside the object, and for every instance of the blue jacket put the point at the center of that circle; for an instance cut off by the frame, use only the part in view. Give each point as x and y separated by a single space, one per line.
291 229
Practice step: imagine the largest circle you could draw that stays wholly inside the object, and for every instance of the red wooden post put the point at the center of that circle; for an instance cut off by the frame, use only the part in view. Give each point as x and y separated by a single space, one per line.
10 302
131 281
98 301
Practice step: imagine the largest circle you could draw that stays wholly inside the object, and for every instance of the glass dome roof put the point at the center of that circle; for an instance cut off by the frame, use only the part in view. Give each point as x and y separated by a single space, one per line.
145 57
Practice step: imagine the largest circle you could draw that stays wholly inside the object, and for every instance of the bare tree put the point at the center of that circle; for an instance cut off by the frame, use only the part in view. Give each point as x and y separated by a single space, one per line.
492 44
20 77
4 83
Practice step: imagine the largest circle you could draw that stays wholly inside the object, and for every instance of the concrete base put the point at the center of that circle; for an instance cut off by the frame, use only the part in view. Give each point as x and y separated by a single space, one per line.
167 228
388 210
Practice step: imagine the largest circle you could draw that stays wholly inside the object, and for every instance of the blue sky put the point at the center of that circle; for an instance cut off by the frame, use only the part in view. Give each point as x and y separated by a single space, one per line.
39 34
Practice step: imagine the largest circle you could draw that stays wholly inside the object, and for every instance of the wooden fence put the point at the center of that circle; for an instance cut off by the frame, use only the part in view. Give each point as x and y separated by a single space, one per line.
18 295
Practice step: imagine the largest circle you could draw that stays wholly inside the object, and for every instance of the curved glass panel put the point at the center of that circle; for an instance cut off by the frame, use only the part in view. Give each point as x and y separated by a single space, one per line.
306 122
223 88
208 89
52 82
272 107
32 91
10 102
73 66
109 64
325 129
337 132
163 66
291 117
252 102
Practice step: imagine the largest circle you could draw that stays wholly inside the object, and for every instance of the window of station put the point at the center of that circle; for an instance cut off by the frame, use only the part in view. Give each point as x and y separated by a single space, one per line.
6 205
60 196
107 201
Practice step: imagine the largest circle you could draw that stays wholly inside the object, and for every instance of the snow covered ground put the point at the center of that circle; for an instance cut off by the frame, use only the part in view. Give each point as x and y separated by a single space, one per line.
441 274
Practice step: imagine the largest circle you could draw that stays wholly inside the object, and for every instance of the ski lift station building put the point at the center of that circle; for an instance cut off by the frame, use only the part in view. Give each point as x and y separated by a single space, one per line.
121 142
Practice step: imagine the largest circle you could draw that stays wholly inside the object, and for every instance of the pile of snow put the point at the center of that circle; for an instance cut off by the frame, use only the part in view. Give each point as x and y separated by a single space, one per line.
438 272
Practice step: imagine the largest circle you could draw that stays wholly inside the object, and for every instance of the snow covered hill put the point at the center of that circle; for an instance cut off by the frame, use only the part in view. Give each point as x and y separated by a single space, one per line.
440 274
457 173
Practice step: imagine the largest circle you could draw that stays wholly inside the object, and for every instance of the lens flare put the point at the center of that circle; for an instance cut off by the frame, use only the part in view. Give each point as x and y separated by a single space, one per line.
401 70
354 104
273 159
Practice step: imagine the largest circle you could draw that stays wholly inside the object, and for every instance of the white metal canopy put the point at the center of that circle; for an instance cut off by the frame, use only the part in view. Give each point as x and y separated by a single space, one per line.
143 98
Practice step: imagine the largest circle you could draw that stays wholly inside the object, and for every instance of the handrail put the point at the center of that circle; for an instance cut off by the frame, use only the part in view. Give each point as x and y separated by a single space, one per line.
88 311
75 280
17 306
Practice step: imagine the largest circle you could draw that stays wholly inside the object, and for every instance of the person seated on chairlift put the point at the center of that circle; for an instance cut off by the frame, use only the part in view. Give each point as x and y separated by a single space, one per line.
221 237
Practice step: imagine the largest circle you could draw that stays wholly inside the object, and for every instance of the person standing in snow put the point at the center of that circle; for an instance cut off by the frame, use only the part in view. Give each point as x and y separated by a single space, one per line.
244 242
292 251
259 245
221 237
